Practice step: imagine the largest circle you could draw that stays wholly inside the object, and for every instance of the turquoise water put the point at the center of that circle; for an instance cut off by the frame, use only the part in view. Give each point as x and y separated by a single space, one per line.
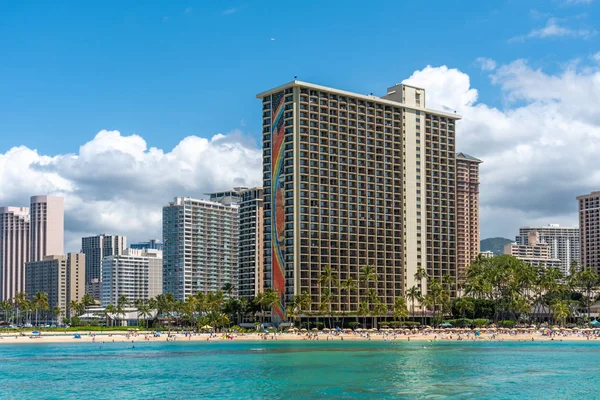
288 370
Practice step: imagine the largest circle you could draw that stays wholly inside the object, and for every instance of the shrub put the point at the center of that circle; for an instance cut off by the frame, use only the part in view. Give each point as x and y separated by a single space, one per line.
480 322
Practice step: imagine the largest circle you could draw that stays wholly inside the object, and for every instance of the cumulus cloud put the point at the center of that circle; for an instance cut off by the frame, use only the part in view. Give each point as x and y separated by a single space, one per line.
572 2
539 152
486 64
116 184
554 29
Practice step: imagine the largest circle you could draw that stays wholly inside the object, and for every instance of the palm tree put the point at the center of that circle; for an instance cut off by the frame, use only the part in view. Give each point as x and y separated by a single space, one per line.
108 310
57 313
272 300
327 279
122 302
228 289
144 311
6 308
420 275
367 275
40 302
561 310
463 305
301 302
19 301
87 300
400 310
348 286
260 301
378 309
363 310
588 278
73 307
413 294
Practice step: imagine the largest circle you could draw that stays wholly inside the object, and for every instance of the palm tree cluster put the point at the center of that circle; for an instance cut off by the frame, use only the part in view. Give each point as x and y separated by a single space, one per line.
23 309
504 287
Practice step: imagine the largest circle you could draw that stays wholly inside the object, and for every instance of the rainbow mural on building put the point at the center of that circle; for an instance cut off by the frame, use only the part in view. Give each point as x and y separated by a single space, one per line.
277 203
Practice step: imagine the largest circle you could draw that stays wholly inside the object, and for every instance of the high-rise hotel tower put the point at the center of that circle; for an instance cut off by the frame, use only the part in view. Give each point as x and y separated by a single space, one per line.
352 180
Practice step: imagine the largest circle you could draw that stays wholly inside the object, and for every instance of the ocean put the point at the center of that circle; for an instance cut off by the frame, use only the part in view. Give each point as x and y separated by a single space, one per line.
292 370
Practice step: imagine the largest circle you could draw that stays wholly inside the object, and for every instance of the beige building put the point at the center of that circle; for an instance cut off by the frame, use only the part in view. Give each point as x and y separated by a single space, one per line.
14 250
61 277
563 242
589 229
467 211
534 252
96 248
353 180
47 214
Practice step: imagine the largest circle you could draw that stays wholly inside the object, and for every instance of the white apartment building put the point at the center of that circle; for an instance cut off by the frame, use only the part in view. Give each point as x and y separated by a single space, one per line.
200 246
563 243
135 274
14 250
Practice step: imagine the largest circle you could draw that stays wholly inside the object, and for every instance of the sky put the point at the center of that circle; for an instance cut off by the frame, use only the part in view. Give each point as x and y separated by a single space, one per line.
121 106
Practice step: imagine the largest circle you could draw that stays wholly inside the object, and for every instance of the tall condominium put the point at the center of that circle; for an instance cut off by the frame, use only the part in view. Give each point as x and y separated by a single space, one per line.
250 251
14 250
95 249
152 244
353 180
135 274
534 251
563 242
47 214
200 246
589 229
61 277
467 211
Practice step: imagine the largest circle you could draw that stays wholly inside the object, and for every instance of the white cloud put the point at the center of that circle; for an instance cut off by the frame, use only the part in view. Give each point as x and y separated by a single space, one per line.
539 153
231 10
486 64
117 184
553 29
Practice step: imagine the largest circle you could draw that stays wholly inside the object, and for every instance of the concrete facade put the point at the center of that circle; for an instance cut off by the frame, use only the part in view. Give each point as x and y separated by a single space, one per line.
353 180
14 250
589 229
535 251
95 249
135 274
251 237
467 211
200 246
61 277
47 226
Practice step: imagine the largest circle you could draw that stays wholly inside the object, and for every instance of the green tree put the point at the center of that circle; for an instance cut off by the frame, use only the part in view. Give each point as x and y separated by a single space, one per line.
400 309
413 294
40 302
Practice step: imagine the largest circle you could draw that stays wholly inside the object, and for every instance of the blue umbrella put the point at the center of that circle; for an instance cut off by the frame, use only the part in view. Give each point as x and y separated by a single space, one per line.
35 333
77 336
595 323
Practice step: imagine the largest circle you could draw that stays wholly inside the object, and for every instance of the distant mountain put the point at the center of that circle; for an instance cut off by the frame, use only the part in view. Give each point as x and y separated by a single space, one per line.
495 245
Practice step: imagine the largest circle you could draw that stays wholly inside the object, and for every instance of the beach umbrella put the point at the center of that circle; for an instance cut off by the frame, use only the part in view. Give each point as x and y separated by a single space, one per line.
595 323
206 327
35 332
77 336
303 330
314 330
326 330
338 329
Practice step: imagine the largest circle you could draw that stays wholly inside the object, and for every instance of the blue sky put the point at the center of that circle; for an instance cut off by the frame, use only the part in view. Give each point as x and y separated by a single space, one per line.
86 91
169 69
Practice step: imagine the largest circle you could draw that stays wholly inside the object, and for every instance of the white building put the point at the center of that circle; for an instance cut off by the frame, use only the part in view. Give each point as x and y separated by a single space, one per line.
96 248
14 250
135 274
200 246
563 242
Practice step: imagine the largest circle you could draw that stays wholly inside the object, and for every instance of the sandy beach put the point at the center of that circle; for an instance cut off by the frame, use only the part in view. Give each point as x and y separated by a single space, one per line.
141 336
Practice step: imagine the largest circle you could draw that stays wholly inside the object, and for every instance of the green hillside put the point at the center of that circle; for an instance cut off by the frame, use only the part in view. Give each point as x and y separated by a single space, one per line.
495 245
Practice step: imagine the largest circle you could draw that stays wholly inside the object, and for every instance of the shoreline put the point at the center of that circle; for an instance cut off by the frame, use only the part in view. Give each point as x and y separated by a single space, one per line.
141 337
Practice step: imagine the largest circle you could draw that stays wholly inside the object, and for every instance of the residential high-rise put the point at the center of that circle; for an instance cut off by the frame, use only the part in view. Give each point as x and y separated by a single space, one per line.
534 251
135 274
353 180
467 211
200 246
589 229
47 226
152 244
14 250
250 258
563 242
61 277
95 249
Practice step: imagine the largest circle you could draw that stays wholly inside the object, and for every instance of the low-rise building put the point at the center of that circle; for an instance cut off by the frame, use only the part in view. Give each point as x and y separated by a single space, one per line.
534 251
